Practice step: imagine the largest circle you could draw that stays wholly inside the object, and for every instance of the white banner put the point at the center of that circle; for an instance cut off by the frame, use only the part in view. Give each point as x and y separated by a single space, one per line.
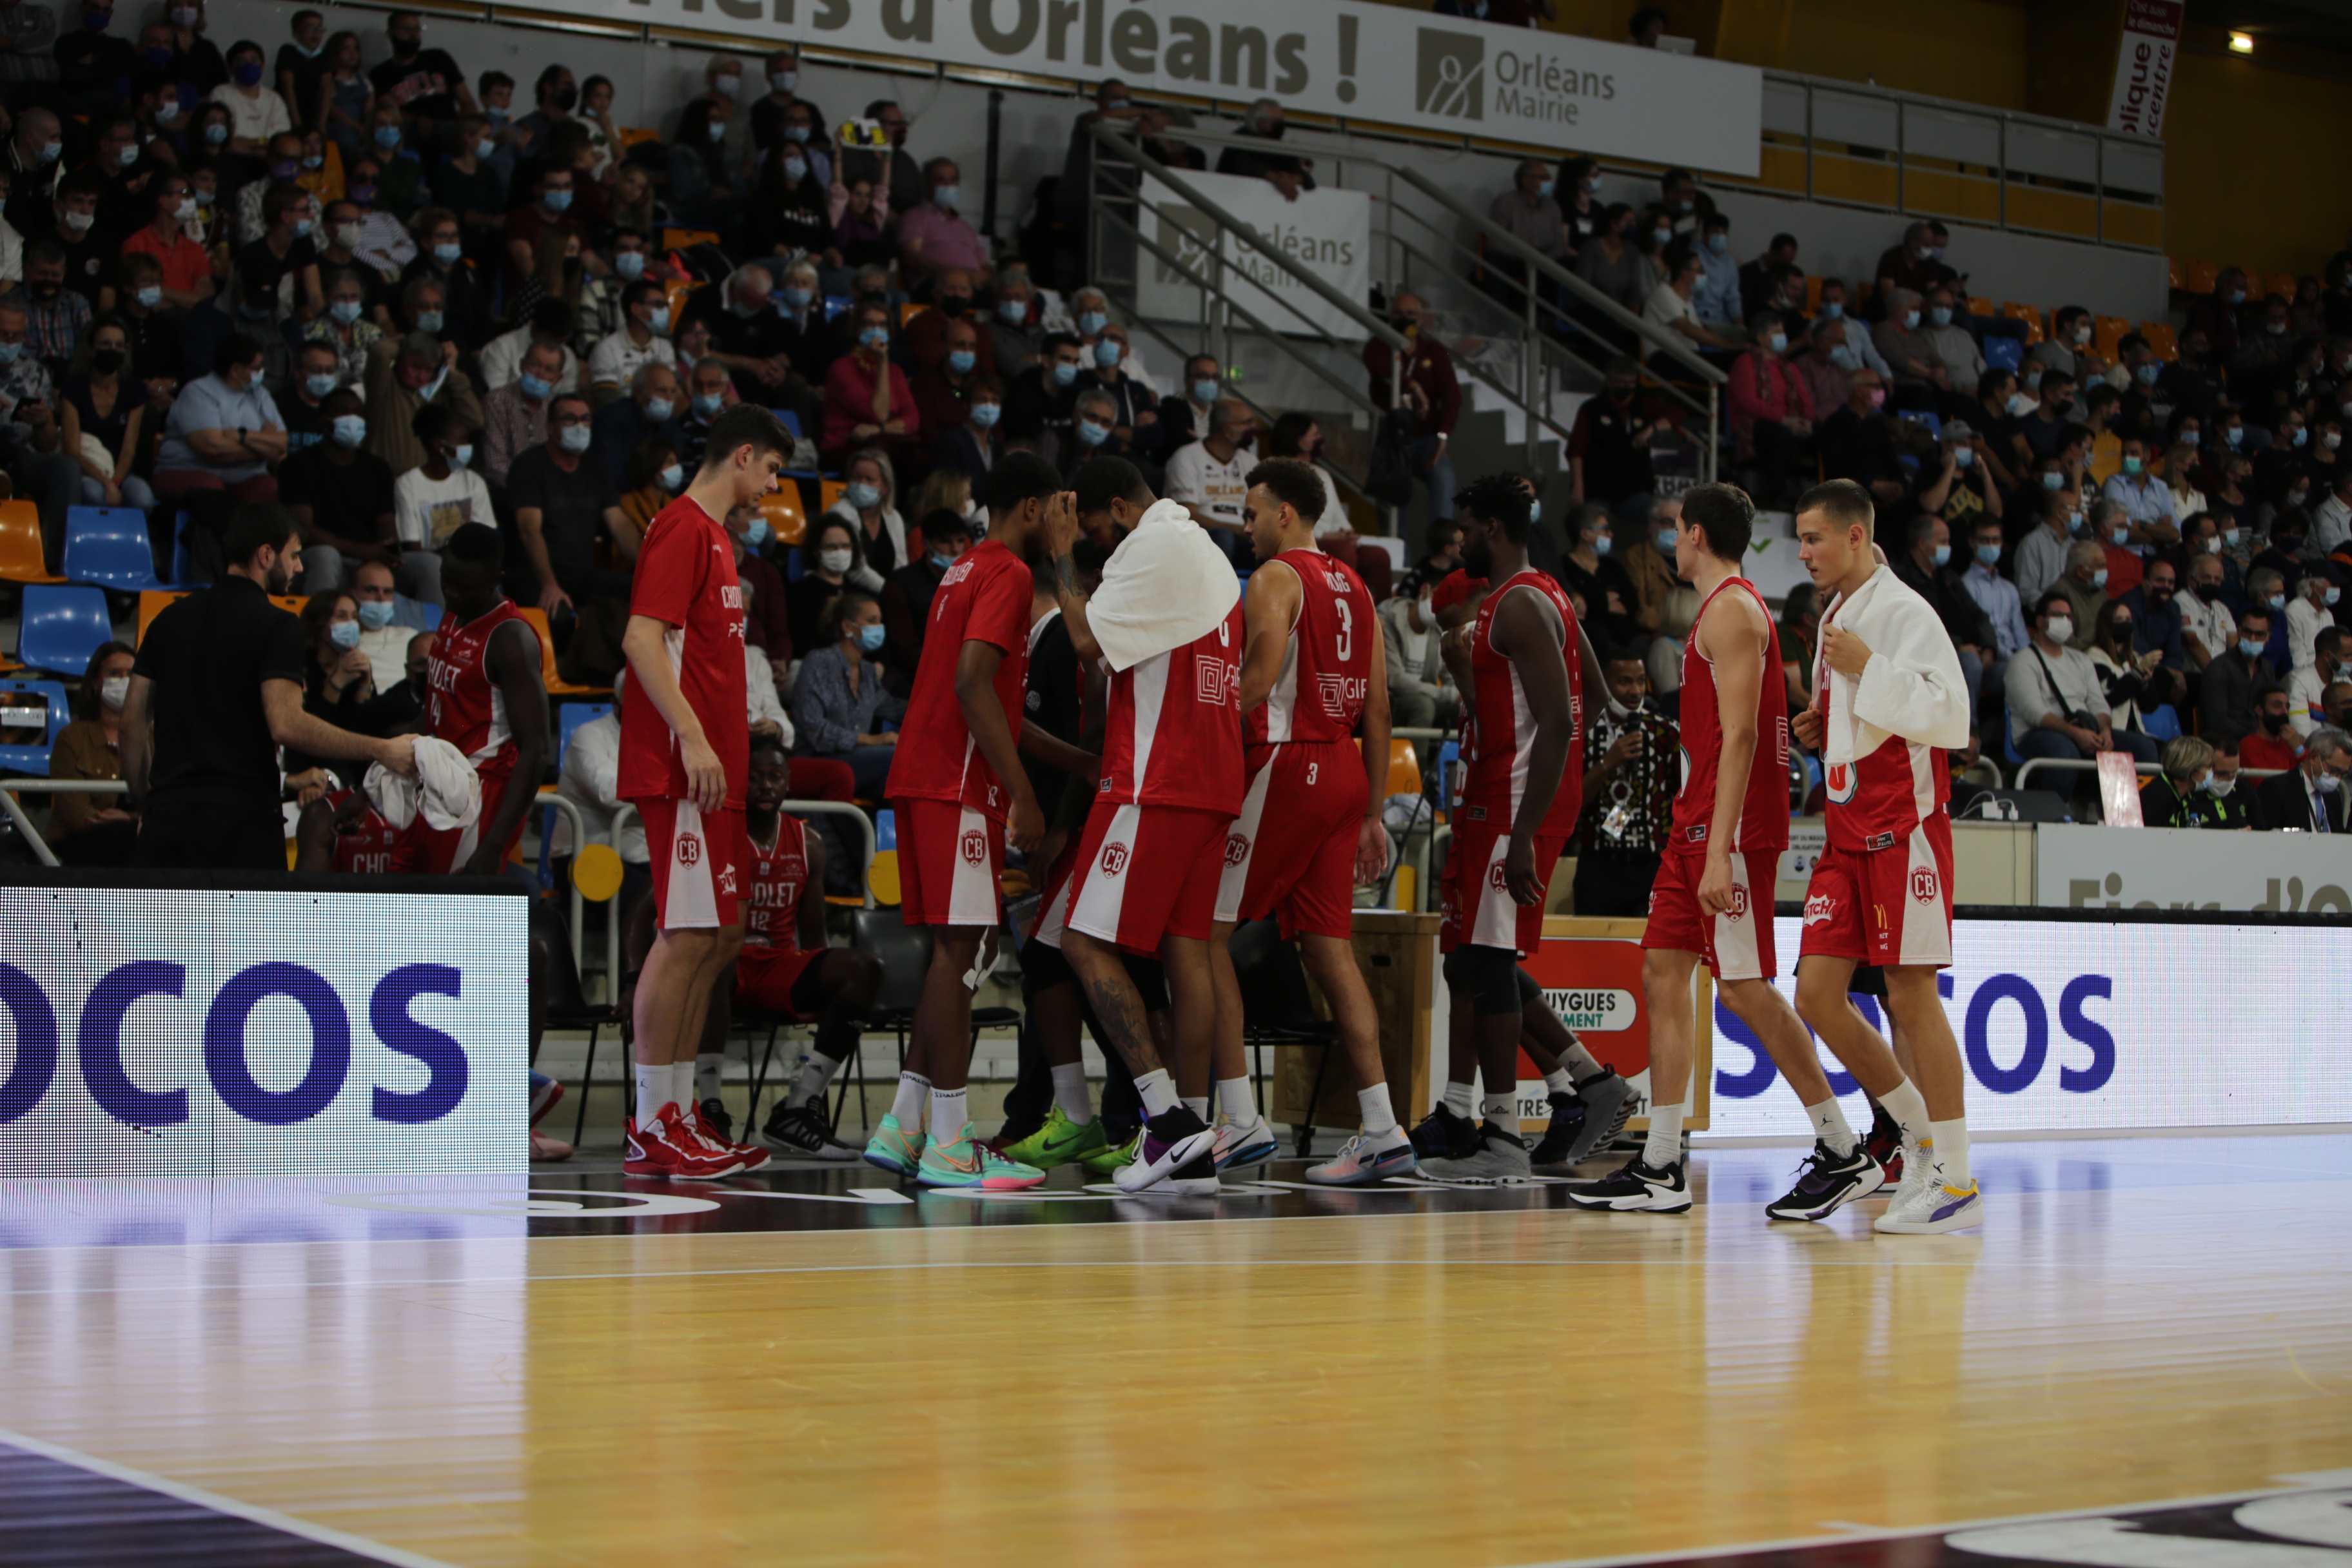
2144 67
1326 232
1376 64
2068 1026
177 1033
2175 869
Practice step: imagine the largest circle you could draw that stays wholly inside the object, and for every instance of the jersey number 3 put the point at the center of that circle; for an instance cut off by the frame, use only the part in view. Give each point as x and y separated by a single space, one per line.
1346 627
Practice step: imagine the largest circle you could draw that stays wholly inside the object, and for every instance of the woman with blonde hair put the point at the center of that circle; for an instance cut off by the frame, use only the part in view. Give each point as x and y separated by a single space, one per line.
868 496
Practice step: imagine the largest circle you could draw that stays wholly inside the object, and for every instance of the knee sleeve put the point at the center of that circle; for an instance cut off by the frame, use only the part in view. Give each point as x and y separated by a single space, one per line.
1042 967
1150 981
1488 976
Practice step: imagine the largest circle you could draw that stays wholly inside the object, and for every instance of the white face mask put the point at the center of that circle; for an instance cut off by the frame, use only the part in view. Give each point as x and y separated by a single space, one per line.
833 560
2062 629
113 692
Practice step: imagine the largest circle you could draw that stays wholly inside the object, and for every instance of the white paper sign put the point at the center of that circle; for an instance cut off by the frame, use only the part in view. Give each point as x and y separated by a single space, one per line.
1326 232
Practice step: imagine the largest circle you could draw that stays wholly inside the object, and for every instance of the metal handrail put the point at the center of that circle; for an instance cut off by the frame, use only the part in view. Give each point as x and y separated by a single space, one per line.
16 810
2077 765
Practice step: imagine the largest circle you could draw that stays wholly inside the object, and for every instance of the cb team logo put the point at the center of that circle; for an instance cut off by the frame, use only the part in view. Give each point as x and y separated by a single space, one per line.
690 849
1738 903
1496 880
975 848
1237 847
1114 859
1923 884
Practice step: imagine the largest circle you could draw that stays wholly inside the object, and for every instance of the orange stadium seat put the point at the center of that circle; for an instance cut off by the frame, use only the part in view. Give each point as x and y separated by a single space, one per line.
2159 338
557 687
2036 330
20 544
2199 277
787 518
150 604
2106 331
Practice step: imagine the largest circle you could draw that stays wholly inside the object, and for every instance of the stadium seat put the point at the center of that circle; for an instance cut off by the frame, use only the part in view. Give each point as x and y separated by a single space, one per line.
886 830
2199 277
557 687
151 604
2161 723
2004 353
634 135
2106 331
882 878
1934 424
1812 294
687 239
2035 328
21 558
1979 306
827 492
106 546
2279 283
787 518
790 421
19 710
292 604
679 287
2159 338
63 626
2173 274
1404 769
573 716
910 310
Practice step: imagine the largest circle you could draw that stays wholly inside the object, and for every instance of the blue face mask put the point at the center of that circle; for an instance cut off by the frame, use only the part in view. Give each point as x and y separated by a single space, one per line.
1204 392
871 638
1963 457
344 311
1092 321
1910 320
485 149
945 197
1844 358
757 533
1601 543
350 431
1091 434
9 353
986 415
961 361
376 614
941 561
1544 189
2301 435
214 136
149 297
1535 512
797 135
575 438
659 320
2053 481
387 136
1720 244
861 495
2250 648
707 404
2277 603
629 266
1834 311
1012 313
318 385
462 455
1989 554
1665 541
428 321
1779 342
876 338
659 409
448 255
1065 374
302 226
344 634
1107 353
791 302
2148 372
674 476
558 201
1941 315
1941 555
716 128
536 388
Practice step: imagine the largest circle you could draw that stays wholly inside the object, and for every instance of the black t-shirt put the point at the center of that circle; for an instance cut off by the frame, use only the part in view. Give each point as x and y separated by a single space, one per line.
425 86
261 267
207 655
348 500
1053 700
306 71
571 507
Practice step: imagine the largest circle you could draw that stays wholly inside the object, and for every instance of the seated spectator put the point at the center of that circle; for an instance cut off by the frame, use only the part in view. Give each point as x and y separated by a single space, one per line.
94 830
549 322
467 182
1670 303
767 616
790 211
839 700
185 267
556 278
907 597
1716 299
38 464
390 624
1589 571
104 408
439 496
1962 489
973 446
830 561
2207 627
2307 685
441 261
405 378
1826 363
651 480
864 231
2192 791
1995 595
1093 434
1286 173
2144 500
2230 689
2311 797
1421 693
806 341
1919 371
341 496
564 506
753 341
2057 706
223 433
942 388
256 111
2134 682
650 411
344 327
1911 266
1857 443
867 399
643 339
1955 345
515 416
550 208
2041 559
2312 607
285 251
2272 744
870 498
934 238
314 376
1756 282
710 393
339 682
55 316
154 327
1771 409
1529 214
1609 447
1926 568
2084 586
1136 407
703 191
1209 477
1185 414
1799 628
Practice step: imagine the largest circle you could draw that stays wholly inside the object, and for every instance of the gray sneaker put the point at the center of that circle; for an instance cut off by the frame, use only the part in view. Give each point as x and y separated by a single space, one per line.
1501 1157
1609 1104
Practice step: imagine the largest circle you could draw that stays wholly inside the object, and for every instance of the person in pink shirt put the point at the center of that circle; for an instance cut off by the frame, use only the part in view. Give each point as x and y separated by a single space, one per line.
934 238
867 401
1771 407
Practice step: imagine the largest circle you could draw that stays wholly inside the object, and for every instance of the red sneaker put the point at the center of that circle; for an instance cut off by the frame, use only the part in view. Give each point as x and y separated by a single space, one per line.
719 1146
546 1148
667 1146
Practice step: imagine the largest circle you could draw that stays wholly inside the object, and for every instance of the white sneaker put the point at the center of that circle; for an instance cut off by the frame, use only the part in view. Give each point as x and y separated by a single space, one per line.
1931 1206
1241 1144
1365 1159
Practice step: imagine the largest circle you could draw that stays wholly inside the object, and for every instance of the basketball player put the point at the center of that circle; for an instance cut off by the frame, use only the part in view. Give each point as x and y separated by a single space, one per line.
341 832
961 795
1589 1103
1167 620
1892 704
685 753
1309 828
1520 666
486 695
1712 901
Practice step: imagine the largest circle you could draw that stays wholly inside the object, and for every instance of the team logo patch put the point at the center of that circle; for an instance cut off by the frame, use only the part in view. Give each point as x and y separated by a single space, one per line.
975 848
1819 907
727 879
1496 880
1114 859
1236 849
1840 782
1739 904
1923 884
690 849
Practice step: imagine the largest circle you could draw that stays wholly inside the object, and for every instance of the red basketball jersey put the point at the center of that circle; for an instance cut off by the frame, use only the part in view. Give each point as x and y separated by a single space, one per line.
1499 728
780 880
1877 802
984 597
1764 812
1328 668
1173 735
466 706
367 849
686 579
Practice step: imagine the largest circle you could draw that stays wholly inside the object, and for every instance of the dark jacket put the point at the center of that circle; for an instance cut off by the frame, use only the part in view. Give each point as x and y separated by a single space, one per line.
2285 802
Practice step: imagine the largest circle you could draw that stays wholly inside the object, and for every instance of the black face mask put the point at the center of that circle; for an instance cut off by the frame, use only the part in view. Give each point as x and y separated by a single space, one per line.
105 361
567 99
1620 394
405 48
2273 723
954 305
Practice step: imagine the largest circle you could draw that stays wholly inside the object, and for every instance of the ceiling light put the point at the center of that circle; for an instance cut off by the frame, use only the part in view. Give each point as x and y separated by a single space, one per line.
2241 43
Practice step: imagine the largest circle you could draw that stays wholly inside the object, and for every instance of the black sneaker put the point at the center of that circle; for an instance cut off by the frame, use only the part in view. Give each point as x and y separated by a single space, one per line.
1637 1186
1827 1182
715 1121
1885 1143
802 1130
1442 1136
1567 1120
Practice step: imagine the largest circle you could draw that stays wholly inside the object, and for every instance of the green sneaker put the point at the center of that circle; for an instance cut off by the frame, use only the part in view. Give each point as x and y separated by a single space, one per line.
966 1161
1115 1157
898 1151
1061 1142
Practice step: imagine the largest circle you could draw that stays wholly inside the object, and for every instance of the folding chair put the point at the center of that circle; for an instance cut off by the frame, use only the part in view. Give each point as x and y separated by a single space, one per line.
1278 1011
17 712
62 627
558 688
568 1006
106 546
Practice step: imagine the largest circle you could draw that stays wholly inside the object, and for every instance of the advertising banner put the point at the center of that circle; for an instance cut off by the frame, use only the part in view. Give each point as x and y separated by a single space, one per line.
1327 232
2083 1025
168 1032
1591 972
1378 64
2144 67
2161 868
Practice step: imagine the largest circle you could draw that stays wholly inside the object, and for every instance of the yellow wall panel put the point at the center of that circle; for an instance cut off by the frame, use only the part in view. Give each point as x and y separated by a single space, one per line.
1967 197
1840 179
1974 50
2245 177
2053 212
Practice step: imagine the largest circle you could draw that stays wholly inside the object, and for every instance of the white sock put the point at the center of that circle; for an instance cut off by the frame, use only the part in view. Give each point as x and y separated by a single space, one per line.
1903 1103
950 1112
709 1069
906 1106
1378 1115
1664 1145
1070 1092
1233 1098
653 1091
1198 1104
1502 1110
1158 1092
1579 1063
1950 1140
681 1086
816 1073
1459 1098
1829 1126
1557 1081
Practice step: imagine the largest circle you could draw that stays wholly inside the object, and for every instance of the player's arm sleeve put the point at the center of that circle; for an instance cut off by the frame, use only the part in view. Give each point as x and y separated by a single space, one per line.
1912 686
666 580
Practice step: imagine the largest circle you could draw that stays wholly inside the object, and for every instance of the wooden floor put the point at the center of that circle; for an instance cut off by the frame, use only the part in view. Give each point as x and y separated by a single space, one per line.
1441 1378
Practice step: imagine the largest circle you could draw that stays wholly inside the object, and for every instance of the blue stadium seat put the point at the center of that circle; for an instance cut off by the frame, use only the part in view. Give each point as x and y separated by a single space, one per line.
791 422
570 717
62 627
108 546
2003 353
886 830
1921 416
16 705
2162 724
834 304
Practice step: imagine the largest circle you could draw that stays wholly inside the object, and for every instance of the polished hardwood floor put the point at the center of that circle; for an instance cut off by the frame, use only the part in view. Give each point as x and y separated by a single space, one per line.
779 1372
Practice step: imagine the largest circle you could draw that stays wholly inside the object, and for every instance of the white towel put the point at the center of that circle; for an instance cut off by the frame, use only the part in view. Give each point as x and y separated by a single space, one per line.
1912 686
445 788
1165 584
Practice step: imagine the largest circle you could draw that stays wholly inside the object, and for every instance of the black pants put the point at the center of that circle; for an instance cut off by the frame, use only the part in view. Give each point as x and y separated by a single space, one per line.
188 837
101 844
1614 887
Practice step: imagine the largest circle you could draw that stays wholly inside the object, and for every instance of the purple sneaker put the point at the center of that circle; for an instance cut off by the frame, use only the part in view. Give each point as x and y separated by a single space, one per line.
1171 1140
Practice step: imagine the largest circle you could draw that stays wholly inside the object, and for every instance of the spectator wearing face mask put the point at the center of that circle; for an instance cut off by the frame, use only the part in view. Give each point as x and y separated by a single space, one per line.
1209 477
2134 682
2192 791
94 830
2041 559
2108 527
2312 607
839 702
772 114
2207 625
643 339
973 446
564 505
2331 519
1284 171
1421 693
1995 595
185 266
1530 213
2143 502
934 237
651 479
2057 706
106 408
907 597
2311 797
1609 447
2229 703
390 624
867 401
831 560
1591 570
869 502
1857 443
256 111
649 412
1771 408
341 496
2266 348
1829 361
1716 298
767 618
1911 266
515 417
1920 376
2307 685
2084 586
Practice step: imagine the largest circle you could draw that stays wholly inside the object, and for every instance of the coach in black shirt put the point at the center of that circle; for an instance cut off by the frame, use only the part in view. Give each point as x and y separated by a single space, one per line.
220 675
